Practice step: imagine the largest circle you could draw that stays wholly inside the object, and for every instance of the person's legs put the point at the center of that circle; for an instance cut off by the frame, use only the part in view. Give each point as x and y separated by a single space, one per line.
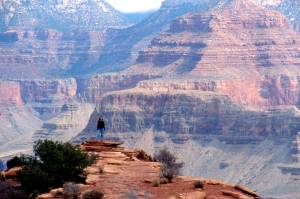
101 134
98 135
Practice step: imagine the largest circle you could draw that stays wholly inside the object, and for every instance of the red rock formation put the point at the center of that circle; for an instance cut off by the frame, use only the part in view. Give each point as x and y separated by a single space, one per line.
249 53
233 69
117 171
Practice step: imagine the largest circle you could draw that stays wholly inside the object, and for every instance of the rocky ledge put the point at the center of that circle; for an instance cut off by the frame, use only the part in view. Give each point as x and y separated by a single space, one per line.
118 171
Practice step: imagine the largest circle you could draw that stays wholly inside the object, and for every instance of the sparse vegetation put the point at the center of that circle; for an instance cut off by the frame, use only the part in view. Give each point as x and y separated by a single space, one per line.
9 192
71 190
54 164
101 169
170 168
142 155
156 183
164 181
199 184
92 194
131 195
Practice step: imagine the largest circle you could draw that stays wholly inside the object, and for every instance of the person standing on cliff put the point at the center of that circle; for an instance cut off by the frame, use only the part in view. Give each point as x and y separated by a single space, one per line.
100 129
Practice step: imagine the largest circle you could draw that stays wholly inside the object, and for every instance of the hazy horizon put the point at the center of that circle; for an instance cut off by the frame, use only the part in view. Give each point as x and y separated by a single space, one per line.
135 6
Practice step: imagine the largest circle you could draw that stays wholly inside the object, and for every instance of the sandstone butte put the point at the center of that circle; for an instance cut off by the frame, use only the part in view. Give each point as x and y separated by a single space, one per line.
126 170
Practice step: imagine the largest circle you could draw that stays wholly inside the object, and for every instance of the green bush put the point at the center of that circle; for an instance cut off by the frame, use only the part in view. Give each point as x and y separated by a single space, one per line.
170 168
92 194
62 161
14 162
34 179
54 164
19 161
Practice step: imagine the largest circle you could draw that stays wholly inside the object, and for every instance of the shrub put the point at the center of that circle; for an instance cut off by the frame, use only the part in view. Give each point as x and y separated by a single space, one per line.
92 194
131 195
156 183
71 190
142 155
101 169
62 161
14 162
33 179
198 184
163 181
54 164
170 168
8 192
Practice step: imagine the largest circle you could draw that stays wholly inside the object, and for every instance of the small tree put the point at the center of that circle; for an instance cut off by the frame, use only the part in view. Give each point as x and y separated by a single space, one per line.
54 164
170 168
62 161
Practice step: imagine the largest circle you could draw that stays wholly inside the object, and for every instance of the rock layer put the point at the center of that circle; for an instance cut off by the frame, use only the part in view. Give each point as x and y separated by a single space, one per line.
191 112
47 53
243 50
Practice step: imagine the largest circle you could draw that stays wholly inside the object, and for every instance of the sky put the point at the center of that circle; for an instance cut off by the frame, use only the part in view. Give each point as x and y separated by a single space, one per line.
135 5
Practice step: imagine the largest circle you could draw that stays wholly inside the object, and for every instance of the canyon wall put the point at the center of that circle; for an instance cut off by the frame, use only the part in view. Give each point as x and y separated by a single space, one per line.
233 71
47 53
93 88
191 112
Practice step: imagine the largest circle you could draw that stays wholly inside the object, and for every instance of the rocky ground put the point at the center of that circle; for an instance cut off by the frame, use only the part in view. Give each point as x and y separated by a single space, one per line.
118 173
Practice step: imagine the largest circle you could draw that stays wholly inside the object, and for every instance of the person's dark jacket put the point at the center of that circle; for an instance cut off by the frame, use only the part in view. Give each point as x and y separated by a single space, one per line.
100 124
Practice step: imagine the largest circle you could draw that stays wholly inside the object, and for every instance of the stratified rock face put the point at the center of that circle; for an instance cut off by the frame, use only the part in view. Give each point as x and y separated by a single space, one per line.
48 91
124 45
53 38
60 15
10 93
249 53
191 112
44 53
48 96
236 73
92 89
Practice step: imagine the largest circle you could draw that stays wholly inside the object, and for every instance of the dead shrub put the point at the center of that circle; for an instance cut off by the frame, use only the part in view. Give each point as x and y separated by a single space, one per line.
71 190
170 168
92 194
